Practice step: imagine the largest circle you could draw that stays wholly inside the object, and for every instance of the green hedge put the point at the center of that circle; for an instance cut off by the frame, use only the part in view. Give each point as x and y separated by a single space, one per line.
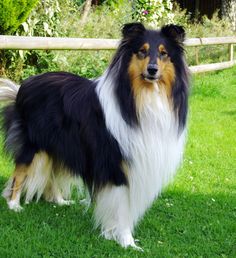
13 13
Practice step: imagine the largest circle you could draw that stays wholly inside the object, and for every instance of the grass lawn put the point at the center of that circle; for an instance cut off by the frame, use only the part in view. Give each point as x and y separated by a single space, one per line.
194 217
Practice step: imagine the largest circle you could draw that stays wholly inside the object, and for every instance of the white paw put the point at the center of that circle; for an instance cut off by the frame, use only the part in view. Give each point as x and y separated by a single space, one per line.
14 205
62 202
108 234
138 248
86 202
127 240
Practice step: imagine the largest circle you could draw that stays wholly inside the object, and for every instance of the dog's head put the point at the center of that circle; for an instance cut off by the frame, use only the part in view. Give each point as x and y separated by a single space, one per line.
155 54
147 60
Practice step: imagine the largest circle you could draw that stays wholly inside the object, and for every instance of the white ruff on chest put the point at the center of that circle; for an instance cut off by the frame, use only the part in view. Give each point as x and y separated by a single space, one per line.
154 149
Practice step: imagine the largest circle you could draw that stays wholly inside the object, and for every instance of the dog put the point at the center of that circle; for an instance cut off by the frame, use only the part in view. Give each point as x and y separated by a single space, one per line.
123 133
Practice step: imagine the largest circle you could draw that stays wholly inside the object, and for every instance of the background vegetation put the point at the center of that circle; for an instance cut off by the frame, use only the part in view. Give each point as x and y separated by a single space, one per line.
63 18
12 15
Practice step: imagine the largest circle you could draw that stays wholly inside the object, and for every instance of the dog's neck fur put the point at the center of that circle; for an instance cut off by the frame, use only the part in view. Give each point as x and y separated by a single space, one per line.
152 150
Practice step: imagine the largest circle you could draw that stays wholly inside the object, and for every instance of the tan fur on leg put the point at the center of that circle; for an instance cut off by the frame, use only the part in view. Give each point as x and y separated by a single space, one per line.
16 188
41 177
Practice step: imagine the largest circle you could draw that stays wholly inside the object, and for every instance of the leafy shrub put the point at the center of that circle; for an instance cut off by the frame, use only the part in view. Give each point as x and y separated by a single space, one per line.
44 20
153 12
104 21
14 13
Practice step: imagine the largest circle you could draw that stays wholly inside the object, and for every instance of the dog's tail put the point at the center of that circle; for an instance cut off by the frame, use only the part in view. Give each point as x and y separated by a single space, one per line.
8 90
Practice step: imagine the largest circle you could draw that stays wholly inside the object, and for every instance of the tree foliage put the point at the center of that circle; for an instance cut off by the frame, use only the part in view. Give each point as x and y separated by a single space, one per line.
153 12
44 20
229 11
13 13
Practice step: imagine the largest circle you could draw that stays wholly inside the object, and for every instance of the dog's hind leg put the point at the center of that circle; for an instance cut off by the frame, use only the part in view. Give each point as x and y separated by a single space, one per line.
53 193
14 187
59 199
40 172
59 187
30 179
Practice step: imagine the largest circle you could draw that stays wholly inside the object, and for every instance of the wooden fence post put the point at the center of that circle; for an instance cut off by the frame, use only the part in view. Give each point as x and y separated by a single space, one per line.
231 52
197 55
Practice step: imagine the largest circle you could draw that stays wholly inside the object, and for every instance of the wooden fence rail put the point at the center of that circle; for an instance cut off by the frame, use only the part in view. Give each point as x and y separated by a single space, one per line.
49 43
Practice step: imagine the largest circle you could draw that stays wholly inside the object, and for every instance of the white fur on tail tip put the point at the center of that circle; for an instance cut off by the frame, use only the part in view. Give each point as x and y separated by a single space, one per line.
8 90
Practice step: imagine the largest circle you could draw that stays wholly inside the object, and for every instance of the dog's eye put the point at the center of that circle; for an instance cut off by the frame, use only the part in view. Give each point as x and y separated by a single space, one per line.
163 53
142 53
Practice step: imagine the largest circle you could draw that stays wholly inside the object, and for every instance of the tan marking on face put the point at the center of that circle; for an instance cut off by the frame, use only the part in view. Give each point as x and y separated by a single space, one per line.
137 67
166 70
162 48
145 46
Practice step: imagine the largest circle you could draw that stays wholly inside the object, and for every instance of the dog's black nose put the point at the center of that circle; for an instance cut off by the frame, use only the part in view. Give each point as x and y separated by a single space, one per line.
152 69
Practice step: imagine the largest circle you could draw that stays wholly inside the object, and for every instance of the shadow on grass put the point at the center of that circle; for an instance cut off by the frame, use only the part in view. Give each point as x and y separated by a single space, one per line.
230 113
179 224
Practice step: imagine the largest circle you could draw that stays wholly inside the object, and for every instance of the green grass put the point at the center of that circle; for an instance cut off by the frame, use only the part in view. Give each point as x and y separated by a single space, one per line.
194 217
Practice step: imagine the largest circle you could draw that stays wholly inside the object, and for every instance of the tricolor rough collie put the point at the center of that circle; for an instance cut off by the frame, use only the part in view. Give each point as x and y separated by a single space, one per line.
122 133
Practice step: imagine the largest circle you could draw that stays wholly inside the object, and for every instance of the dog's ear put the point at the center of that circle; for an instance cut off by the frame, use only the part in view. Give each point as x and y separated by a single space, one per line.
175 32
132 29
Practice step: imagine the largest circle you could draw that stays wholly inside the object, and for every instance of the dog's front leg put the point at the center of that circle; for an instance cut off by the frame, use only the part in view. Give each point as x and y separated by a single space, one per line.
112 213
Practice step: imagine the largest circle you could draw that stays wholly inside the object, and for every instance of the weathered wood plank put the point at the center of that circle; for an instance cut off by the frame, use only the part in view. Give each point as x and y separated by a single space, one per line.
20 42
211 67
210 41
46 43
